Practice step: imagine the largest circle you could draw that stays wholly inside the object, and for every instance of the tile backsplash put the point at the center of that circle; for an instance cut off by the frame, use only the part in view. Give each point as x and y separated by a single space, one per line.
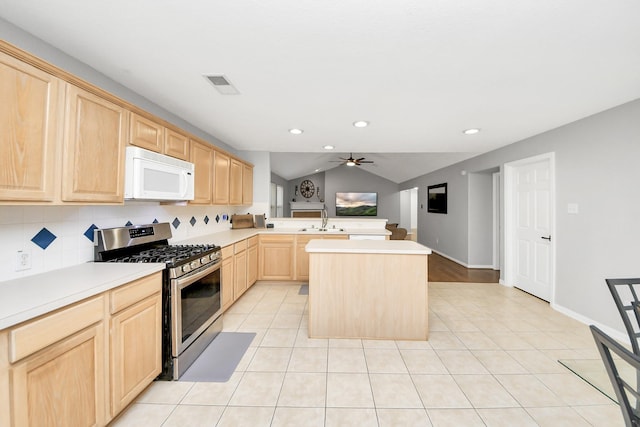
60 236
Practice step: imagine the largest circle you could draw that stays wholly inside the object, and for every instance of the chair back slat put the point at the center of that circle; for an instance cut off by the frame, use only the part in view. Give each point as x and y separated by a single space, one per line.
625 294
626 394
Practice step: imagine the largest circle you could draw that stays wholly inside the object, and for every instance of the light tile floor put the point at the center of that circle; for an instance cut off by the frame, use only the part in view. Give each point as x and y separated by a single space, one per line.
491 360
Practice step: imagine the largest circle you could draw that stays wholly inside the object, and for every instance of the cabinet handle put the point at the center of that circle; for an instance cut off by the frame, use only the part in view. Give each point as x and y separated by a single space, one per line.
546 238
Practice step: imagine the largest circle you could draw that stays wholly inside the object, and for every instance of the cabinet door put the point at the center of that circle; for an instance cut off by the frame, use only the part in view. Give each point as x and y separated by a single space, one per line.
62 384
252 265
221 179
202 157
95 132
302 257
240 274
235 182
228 282
146 133
247 184
136 350
176 144
30 116
276 257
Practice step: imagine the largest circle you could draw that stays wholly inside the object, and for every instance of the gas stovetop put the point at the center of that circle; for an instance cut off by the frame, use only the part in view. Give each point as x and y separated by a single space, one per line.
172 255
149 243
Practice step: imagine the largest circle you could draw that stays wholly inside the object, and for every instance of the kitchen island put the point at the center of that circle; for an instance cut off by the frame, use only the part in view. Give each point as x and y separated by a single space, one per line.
373 289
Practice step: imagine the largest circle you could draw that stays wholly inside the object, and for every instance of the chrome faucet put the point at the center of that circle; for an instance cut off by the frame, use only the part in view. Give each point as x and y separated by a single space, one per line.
325 217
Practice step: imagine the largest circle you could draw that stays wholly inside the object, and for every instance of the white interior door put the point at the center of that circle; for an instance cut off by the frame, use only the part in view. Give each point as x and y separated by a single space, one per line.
531 226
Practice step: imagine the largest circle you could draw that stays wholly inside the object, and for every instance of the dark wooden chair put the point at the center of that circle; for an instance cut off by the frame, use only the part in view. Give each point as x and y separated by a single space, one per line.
626 394
625 293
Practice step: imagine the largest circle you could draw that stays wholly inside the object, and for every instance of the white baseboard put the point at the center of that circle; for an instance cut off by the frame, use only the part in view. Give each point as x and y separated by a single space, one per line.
464 264
613 333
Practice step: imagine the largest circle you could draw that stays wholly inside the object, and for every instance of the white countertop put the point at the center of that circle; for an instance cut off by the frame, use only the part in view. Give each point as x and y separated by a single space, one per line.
229 237
396 247
25 298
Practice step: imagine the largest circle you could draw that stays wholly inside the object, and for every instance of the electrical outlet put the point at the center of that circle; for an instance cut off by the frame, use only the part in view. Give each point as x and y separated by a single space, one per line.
23 260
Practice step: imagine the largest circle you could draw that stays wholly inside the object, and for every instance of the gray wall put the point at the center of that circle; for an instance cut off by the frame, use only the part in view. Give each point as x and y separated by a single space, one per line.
597 168
480 220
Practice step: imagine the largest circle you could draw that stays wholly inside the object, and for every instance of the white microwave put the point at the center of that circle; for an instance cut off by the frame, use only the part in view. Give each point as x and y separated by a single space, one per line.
156 177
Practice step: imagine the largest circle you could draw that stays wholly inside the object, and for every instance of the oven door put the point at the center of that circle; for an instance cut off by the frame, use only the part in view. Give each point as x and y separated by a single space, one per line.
195 305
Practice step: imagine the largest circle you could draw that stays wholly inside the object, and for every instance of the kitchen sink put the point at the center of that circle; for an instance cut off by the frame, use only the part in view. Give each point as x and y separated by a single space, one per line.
323 230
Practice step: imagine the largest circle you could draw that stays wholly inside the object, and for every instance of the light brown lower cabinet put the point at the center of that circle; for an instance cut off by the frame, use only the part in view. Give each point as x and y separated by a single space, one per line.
277 257
239 269
136 340
62 368
227 279
252 261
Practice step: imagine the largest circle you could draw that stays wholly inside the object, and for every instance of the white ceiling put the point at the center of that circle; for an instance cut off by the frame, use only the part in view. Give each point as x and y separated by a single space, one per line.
419 71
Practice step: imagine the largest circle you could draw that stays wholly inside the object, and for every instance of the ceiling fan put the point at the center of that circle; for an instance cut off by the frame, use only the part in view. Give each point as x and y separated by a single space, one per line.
351 161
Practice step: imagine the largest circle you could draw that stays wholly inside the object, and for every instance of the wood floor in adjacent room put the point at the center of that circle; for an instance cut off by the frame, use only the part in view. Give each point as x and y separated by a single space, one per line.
442 269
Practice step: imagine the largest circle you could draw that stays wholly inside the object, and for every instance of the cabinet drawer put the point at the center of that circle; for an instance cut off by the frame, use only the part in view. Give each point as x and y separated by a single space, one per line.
35 335
240 246
278 238
131 293
253 241
227 252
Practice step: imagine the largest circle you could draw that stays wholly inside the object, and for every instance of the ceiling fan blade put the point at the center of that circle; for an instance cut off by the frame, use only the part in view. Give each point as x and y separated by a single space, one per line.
365 161
361 158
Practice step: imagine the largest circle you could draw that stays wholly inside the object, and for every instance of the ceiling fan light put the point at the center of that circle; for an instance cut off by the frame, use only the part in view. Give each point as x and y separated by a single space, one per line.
361 124
350 163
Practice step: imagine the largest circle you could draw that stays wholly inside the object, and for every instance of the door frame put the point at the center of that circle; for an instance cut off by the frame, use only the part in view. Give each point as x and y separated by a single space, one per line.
510 220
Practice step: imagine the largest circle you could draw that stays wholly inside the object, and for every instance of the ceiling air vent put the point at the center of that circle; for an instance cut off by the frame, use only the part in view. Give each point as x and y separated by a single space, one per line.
222 84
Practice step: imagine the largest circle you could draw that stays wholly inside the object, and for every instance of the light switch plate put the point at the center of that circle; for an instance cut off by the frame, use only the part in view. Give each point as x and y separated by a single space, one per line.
572 208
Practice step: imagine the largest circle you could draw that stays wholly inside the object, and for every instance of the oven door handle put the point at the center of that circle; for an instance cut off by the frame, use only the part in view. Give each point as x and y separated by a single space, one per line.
185 281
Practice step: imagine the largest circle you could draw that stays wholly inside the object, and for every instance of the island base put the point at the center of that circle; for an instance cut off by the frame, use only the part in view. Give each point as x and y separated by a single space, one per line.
368 295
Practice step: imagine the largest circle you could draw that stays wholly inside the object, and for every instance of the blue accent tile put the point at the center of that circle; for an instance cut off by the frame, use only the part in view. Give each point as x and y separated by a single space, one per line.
206 219
217 218
44 238
155 221
192 221
225 217
89 233
129 223
176 223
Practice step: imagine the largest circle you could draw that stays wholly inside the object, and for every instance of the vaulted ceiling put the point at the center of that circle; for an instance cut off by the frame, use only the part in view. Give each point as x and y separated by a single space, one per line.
420 72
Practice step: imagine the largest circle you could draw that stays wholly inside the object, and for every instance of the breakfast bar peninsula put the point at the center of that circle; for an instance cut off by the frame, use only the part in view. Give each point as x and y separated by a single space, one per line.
374 289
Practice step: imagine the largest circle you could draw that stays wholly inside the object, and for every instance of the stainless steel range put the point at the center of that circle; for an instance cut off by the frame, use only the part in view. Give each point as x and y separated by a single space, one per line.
192 314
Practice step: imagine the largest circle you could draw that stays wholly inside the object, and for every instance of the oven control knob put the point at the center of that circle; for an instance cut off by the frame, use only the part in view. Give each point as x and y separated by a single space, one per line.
204 260
193 264
185 268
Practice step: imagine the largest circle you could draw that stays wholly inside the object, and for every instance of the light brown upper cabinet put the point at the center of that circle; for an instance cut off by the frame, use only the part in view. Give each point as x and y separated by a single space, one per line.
176 144
221 179
30 129
235 182
247 184
146 133
202 157
94 135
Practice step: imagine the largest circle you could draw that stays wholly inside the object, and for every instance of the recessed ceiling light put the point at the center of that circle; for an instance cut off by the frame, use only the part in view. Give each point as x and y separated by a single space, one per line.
361 124
295 131
328 147
471 131
317 170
